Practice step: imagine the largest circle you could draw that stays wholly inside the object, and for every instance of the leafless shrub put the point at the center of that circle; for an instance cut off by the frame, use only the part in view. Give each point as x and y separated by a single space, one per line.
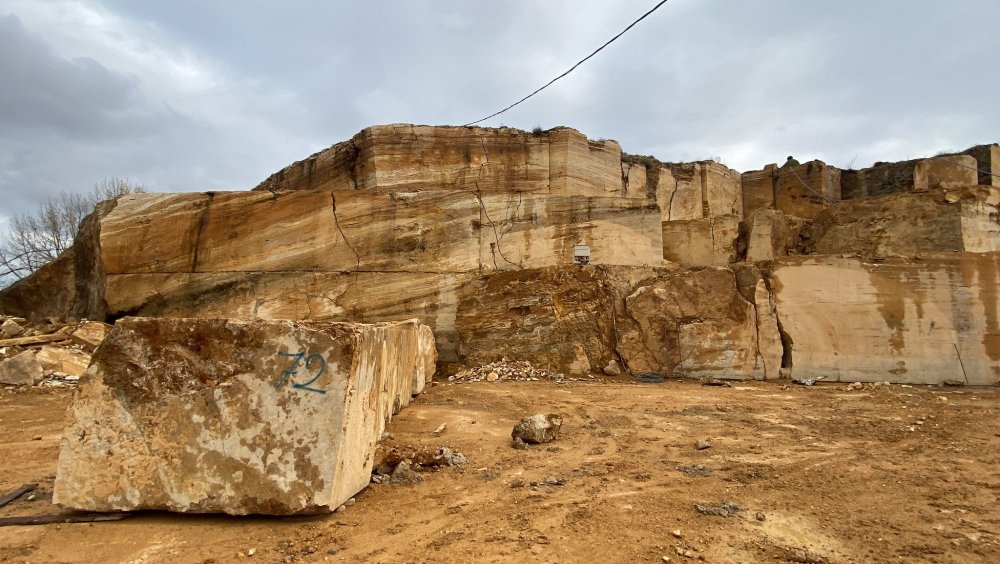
35 239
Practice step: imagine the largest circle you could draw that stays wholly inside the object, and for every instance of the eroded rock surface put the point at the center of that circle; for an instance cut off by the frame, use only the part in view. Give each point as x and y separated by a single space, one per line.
218 415
674 322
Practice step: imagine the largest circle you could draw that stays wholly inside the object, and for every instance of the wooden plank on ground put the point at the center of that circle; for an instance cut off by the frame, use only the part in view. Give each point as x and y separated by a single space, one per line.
16 493
36 340
62 518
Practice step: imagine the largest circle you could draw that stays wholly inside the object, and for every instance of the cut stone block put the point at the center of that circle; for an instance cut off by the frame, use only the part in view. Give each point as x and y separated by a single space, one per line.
214 415
768 234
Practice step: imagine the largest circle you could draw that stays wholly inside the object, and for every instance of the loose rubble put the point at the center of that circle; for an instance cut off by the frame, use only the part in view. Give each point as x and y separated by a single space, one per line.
413 460
724 509
507 370
48 353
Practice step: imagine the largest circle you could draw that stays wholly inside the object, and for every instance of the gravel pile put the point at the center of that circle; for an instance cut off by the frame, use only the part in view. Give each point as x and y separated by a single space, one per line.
506 370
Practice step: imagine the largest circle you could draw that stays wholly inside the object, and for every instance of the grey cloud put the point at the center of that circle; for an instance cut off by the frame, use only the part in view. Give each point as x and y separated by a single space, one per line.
79 98
749 82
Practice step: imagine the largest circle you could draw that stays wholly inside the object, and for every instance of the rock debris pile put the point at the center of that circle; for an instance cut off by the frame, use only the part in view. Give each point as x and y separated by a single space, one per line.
507 370
401 465
46 353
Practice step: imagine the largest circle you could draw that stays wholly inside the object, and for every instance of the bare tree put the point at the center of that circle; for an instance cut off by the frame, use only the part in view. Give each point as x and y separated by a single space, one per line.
35 239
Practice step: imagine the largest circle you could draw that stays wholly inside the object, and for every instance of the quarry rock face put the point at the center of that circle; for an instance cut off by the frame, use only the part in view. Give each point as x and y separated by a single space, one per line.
674 322
919 321
694 267
402 157
212 415
909 224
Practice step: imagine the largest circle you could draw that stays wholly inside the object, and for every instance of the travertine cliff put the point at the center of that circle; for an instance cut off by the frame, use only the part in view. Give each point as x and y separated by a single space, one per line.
695 269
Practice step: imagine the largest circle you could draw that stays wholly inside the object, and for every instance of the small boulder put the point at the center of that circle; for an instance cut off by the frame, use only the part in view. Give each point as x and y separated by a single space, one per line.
538 428
21 370
612 369
404 475
10 328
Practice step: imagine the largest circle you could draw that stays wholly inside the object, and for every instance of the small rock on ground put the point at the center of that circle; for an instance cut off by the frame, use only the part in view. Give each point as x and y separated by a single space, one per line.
538 428
403 475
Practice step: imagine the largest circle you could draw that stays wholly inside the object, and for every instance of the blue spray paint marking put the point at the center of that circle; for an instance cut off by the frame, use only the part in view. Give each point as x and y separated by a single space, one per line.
288 375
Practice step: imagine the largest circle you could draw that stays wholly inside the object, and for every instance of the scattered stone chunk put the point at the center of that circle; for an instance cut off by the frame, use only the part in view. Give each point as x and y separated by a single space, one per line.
612 369
90 334
63 360
695 470
537 429
10 328
855 386
724 509
21 370
240 417
702 445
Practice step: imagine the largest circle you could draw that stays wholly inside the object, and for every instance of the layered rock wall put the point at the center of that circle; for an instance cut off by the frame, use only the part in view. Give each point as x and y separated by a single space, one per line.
561 161
470 229
945 172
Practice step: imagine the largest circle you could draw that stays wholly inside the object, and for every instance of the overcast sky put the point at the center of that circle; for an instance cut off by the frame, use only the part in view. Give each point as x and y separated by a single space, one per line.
186 95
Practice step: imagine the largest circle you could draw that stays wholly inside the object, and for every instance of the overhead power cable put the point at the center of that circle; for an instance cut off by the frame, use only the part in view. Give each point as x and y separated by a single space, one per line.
571 69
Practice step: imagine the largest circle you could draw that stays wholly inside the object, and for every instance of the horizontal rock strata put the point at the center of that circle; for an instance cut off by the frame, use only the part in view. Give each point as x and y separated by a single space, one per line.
238 417
471 231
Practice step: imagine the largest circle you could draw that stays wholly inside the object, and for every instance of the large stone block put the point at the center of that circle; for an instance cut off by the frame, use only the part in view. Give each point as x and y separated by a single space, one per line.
900 320
759 187
21 370
216 415
808 189
686 191
987 162
799 191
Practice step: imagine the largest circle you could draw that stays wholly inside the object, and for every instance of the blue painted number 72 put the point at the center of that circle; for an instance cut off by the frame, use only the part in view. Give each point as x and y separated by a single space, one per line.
288 375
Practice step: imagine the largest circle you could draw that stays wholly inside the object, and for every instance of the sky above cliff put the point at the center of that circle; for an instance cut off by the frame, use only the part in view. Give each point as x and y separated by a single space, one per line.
215 95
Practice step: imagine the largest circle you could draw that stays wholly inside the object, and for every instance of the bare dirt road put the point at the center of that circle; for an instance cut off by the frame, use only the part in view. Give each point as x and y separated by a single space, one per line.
819 474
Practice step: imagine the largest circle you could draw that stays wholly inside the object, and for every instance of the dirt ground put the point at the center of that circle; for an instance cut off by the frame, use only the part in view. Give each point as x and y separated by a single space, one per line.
819 474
